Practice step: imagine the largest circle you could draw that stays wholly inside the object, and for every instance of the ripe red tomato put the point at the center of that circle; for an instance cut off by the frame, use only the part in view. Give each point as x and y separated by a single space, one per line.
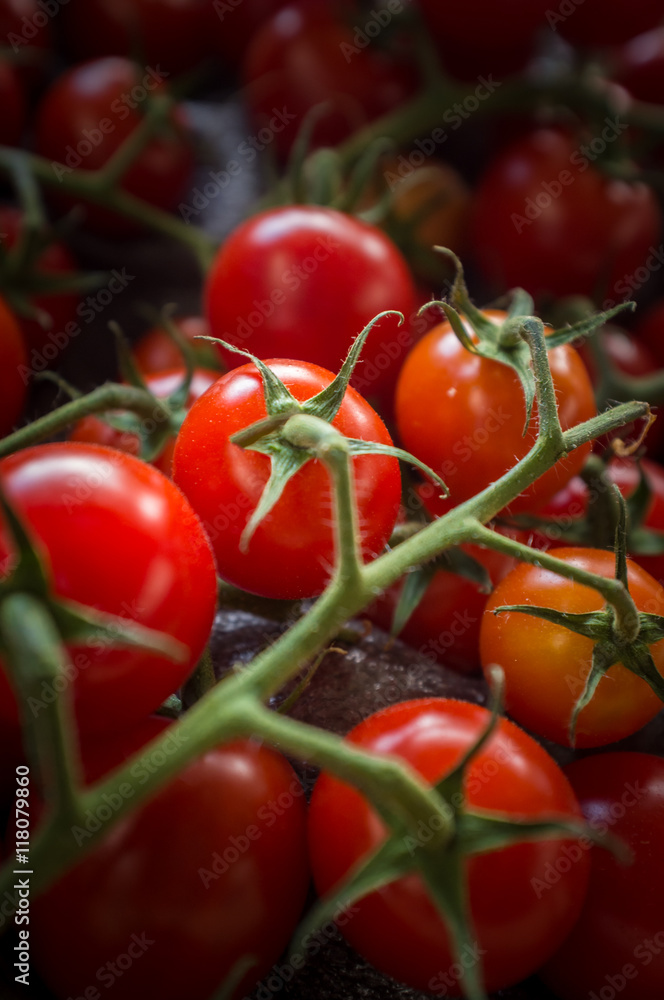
607 22
304 56
398 928
291 553
463 414
650 330
161 384
547 220
118 537
173 36
572 503
301 282
86 115
55 260
155 351
200 873
546 665
233 25
13 370
617 946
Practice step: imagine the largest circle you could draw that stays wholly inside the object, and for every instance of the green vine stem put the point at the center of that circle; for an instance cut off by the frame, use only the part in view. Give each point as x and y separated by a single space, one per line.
111 396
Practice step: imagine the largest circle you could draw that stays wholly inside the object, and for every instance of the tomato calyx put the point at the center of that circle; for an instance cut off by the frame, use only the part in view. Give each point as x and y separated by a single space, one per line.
290 448
509 342
438 852
626 641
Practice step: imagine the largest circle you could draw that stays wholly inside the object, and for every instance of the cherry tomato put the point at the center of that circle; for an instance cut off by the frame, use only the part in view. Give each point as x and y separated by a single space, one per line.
463 414
302 57
233 25
617 946
87 114
199 873
173 36
118 537
301 282
54 261
606 22
650 331
397 928
482 23
546 665
155 351
571 503
13 370
161 384
547 220
291 553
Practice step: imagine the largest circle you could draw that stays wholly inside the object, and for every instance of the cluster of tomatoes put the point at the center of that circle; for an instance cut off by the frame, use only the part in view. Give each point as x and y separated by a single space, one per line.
137 514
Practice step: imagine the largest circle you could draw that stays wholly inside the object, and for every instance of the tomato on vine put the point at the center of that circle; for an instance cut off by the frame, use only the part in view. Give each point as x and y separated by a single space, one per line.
13 370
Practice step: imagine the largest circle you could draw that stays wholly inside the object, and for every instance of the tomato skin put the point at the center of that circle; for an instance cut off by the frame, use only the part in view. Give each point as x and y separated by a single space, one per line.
620 927
463 415
650 330
292 551
198 872
548 221
13 358
304 56
161 384
641 66
54 260
541 689
572 503
13 103
121 538
397 928
112 90
155 351
299 312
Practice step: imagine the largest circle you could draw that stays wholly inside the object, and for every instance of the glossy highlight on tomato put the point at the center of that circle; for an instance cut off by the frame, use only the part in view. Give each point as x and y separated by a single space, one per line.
397 928
546 665
292 552
117 536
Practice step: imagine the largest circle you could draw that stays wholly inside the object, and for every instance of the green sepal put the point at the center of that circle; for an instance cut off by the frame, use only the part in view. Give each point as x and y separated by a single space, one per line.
362 175
604 656
127 366
295 171
285 462
582 329
359 447
29 570
485 328
414 588
521 303
278 399
592 624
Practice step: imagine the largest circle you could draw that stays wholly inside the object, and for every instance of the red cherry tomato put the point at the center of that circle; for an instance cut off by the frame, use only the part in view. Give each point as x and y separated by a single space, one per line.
304 56
87 114
463 415
118 537
301 282
233 25
617 946
397 928
650 331
571 503
199 874
155 351
13 370
173 36
59 310
546 665
291 553
161 384
547 220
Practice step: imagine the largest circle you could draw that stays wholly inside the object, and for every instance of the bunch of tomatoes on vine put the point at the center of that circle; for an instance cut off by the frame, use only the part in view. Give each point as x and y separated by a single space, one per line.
331 499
